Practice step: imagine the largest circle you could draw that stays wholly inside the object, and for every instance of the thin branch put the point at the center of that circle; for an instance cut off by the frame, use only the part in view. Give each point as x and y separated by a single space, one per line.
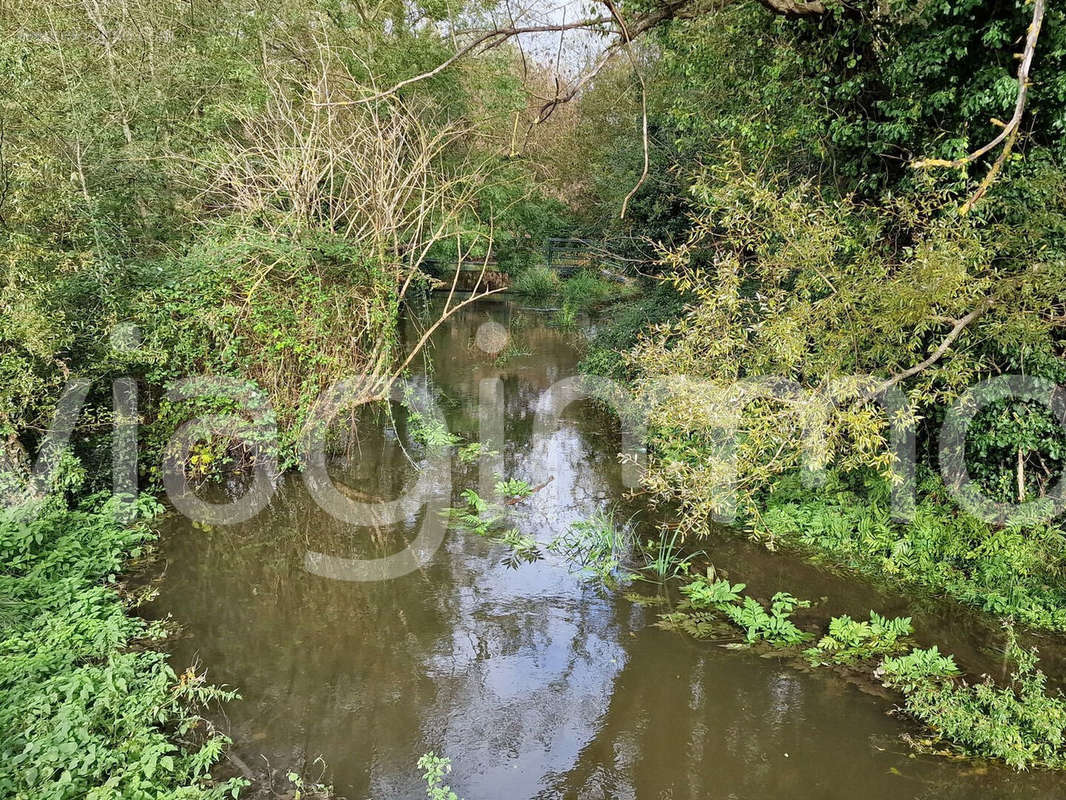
1009 135
942 348
489 40
643 104
429 332
642 23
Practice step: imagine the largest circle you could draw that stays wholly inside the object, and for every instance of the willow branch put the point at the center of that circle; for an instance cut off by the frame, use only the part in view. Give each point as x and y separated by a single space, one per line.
945 345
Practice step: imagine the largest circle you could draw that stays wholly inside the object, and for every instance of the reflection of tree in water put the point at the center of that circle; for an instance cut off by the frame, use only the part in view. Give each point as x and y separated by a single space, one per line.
533 683
689 722
307 651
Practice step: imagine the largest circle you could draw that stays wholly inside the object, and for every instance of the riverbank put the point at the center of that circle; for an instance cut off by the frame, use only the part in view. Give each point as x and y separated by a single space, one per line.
91 706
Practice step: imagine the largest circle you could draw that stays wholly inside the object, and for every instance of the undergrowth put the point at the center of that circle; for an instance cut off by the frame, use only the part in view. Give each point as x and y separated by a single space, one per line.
628 321
1011 571
90 709
536 283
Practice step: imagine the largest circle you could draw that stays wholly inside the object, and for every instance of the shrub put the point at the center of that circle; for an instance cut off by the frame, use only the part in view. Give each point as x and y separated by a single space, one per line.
1020 724
628 320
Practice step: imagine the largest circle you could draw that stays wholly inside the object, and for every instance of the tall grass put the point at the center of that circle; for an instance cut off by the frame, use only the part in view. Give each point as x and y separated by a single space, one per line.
588 289
537 283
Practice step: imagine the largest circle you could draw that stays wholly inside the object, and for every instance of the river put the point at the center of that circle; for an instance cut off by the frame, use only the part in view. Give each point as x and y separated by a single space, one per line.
536 683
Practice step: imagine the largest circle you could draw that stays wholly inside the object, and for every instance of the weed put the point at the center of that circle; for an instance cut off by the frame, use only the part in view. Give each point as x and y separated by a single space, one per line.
89 709
512 351
488 520
917 668
706 595
849 641
587 289
774 626
663 558
703 594
470 453
1007 571
434 770
513 488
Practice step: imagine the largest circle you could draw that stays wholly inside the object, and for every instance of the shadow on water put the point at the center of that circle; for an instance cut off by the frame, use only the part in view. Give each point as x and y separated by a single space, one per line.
536 685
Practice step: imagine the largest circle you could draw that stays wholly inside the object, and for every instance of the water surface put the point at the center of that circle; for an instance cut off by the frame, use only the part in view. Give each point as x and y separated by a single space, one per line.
537 684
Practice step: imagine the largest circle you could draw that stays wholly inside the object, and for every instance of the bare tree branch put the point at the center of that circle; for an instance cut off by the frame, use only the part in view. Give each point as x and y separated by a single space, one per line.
1009 135
485 41
664 11
643 104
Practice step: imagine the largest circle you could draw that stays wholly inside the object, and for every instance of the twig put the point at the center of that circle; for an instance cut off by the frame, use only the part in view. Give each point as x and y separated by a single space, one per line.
1009 135
643 105
516 500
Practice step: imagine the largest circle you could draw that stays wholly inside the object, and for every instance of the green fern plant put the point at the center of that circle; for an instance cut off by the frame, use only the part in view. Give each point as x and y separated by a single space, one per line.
848 640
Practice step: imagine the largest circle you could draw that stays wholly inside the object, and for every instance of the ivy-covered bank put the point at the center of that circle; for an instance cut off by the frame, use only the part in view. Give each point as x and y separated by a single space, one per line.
91 708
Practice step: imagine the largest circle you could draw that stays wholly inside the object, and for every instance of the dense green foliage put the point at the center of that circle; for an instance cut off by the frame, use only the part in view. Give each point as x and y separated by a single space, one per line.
1020 723
183 174
184 170
90 707
1014 571
806 248
621 329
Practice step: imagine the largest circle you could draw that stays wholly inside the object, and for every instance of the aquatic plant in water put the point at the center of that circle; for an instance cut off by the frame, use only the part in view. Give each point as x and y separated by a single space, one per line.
598 547
488 520
664 557
773 626
434 769
513 488
1021 723
849 640
707 595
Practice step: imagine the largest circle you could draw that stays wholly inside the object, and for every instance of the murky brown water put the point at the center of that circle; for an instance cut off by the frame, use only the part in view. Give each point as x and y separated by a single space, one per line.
536 684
